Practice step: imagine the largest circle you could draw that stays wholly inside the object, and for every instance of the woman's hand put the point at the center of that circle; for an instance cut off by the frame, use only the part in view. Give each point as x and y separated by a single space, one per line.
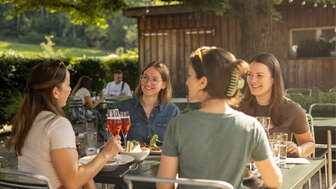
293 149
112 146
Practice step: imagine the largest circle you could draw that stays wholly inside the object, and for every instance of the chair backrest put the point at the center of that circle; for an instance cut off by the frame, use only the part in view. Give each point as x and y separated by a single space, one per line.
183 181
10 178
77 111
311 124
324 109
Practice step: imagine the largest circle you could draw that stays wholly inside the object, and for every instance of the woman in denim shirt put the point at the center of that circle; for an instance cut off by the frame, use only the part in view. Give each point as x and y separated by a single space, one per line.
150 109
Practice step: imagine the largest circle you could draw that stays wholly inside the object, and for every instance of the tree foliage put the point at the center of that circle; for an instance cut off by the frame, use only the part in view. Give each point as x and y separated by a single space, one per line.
94 12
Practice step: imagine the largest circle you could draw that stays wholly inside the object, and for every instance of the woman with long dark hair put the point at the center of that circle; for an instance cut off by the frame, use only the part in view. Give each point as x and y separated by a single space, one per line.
44 139
265 96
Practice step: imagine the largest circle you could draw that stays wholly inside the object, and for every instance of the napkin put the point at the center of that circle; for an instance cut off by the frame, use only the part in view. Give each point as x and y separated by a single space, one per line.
297 161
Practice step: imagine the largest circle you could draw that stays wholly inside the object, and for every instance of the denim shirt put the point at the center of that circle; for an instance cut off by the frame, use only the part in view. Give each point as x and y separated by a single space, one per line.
142 128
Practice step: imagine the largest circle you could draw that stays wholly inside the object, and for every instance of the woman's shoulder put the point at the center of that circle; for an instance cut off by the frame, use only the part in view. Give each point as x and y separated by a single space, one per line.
50 120
289 105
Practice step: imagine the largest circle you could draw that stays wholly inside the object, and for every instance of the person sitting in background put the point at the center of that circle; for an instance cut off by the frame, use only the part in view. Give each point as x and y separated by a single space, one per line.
150 109
82 90
117 87
45 140
265 96
216 141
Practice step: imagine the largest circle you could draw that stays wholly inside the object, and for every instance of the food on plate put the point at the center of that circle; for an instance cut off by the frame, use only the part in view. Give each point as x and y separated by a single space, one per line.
134 146
247 174
153 144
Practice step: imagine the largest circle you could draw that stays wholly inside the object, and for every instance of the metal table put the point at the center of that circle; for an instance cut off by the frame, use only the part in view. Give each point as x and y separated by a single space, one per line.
293 177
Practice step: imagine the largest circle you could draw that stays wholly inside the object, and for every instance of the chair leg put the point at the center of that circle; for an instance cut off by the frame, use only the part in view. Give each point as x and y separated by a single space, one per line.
329 139
326 171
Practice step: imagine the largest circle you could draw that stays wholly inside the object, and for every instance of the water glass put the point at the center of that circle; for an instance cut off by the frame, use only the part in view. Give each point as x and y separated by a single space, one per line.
266 123
282 139
275 147
91 142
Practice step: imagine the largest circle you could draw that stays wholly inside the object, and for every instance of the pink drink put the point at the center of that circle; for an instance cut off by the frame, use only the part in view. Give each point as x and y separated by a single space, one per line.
126 124
116 126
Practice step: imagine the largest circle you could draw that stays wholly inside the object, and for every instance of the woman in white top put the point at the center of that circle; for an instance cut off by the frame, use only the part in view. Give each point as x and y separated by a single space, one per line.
82 90
44 139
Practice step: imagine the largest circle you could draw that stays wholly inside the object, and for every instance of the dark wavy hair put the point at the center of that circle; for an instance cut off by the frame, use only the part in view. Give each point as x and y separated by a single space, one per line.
43 78
278 92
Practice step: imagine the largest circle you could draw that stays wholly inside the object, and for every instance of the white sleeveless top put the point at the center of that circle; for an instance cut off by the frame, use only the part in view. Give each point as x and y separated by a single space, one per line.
48 132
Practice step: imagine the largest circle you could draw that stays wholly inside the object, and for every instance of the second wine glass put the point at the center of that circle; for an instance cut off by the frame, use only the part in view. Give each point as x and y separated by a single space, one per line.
126 124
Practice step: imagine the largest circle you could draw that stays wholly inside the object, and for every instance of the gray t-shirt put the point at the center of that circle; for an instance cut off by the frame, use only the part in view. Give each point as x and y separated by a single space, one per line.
215 146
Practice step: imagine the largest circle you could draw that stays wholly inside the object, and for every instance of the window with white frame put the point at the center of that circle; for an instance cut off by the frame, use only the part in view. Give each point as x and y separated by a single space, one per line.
325 36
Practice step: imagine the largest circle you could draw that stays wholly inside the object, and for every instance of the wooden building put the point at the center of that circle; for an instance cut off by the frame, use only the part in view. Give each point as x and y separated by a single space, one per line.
170 33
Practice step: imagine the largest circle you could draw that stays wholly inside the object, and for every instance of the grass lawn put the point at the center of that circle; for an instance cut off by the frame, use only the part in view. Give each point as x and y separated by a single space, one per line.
34 51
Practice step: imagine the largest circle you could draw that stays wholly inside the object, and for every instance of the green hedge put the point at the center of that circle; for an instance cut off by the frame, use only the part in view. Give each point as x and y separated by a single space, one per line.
318 96
14 71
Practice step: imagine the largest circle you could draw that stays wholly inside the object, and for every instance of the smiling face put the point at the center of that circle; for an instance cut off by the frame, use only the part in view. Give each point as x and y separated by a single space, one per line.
62 92
151 82
260 80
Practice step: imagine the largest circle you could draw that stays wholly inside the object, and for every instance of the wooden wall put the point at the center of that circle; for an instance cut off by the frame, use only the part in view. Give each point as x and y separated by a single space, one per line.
171 38
310 73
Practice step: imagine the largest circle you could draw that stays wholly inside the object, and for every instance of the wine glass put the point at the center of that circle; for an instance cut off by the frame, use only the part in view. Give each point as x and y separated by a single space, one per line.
126 124
266 123
113 123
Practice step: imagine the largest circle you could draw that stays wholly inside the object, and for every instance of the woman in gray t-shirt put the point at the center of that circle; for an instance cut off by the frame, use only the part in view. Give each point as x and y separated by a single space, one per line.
215 142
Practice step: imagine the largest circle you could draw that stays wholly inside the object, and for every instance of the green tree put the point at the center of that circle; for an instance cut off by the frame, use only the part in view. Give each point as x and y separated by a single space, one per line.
93 12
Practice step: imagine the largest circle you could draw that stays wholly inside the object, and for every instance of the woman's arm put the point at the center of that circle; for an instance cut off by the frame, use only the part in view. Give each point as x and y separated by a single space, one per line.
73 176
270 173
91 104
305 147
168 169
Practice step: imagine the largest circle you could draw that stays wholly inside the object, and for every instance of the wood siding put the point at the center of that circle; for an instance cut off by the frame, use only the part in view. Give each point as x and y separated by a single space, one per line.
310 73
171 38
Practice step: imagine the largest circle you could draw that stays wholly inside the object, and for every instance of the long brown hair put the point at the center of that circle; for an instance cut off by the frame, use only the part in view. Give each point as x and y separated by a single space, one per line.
165 94
43 78
278 92
222 70
83 81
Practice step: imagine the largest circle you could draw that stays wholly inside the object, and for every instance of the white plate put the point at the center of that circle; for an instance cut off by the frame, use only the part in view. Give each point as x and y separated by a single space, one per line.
120 159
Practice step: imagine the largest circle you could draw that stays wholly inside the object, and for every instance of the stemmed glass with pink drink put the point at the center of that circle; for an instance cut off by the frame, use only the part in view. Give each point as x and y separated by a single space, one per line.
126 124
113 122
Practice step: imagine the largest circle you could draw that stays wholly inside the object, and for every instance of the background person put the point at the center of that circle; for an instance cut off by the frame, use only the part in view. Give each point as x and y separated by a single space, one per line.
44 139
117 87
83 91
265 96
215 142
150 109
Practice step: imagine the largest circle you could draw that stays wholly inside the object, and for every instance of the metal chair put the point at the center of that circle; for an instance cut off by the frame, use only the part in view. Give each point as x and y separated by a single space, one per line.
183 181
322 152
316 106
76 110
303 91
19 179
